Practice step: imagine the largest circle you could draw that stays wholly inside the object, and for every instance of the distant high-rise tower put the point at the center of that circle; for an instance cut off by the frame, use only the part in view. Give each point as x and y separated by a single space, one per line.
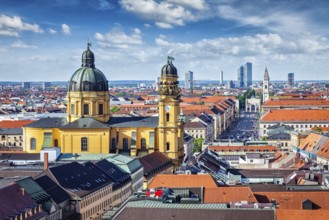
26 85
157 84
46 85
221 78
291 79
189 80
245 75
266 82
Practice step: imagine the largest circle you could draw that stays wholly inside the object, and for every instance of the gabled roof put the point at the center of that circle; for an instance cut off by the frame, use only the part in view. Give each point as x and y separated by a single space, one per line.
48 123
14 124
296 115
133 122
87 122
13 202
279 136
293 200
113 171
58 194
229 194
298 103
154 161
324 150
183 181
11 131
33 189
80 179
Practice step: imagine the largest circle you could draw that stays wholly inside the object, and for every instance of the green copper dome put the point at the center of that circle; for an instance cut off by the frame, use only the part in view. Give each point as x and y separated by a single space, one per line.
169 69
88 77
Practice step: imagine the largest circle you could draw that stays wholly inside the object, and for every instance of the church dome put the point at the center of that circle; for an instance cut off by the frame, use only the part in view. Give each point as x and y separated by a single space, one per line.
88 77
169 69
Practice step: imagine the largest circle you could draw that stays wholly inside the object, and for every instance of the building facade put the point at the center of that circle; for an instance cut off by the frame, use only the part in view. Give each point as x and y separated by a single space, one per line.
89 128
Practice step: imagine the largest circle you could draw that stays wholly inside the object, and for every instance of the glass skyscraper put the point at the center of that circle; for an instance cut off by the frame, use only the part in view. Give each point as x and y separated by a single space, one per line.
245 75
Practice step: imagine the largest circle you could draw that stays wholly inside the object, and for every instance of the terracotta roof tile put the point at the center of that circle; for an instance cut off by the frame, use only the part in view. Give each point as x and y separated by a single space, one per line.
14 124
243 148
295 102
229 194
183 181
282 214
324 150
293 200
296 115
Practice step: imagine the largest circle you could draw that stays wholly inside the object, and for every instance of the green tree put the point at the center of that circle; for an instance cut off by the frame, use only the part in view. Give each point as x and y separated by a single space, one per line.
114 109
264 138
317 129
197 144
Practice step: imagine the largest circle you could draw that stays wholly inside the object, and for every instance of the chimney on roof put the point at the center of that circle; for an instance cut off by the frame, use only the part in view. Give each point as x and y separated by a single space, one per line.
45 161
21 191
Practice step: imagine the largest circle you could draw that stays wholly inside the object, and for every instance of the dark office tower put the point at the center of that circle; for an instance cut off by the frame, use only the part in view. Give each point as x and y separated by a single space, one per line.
46 85
245 75
26 85
291 79
240 77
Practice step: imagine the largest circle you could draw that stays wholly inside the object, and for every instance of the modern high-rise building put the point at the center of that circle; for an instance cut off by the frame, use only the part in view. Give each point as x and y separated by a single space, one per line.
291 79
221 82
245 75
189 80
26 85
46 85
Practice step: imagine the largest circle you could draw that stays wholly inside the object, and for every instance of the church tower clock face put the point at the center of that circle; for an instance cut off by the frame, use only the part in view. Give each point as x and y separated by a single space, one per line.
167 108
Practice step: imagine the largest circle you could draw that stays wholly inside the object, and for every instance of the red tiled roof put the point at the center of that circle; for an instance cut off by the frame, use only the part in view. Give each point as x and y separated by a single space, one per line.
282 214
245 148
183 181
324 150
295 102
293 200
310 142
296 115
14 124
228 194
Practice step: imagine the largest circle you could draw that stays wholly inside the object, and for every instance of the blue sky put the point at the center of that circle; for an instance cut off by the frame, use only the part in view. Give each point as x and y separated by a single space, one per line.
42 40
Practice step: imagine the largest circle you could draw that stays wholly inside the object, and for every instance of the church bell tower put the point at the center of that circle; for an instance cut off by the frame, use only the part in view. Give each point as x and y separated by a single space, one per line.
170 127
266 82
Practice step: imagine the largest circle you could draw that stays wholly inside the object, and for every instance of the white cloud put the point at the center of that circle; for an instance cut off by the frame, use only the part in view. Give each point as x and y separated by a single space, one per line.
117 38
9 33
52 31
147 25
66 29
11 26
21 45
16 23
196 4
164 14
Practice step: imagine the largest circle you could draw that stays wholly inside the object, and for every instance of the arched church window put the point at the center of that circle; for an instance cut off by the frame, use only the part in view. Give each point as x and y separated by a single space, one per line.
168 146
56 142
125 144
265 86
86 109
143 144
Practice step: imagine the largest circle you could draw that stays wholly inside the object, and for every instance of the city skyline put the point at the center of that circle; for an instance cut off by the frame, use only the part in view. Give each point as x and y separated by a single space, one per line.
43 40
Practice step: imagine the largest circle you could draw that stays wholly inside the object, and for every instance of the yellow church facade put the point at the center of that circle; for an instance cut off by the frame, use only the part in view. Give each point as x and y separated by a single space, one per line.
89 128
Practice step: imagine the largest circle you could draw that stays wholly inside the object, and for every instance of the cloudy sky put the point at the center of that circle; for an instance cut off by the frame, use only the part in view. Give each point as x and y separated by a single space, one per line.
43 39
